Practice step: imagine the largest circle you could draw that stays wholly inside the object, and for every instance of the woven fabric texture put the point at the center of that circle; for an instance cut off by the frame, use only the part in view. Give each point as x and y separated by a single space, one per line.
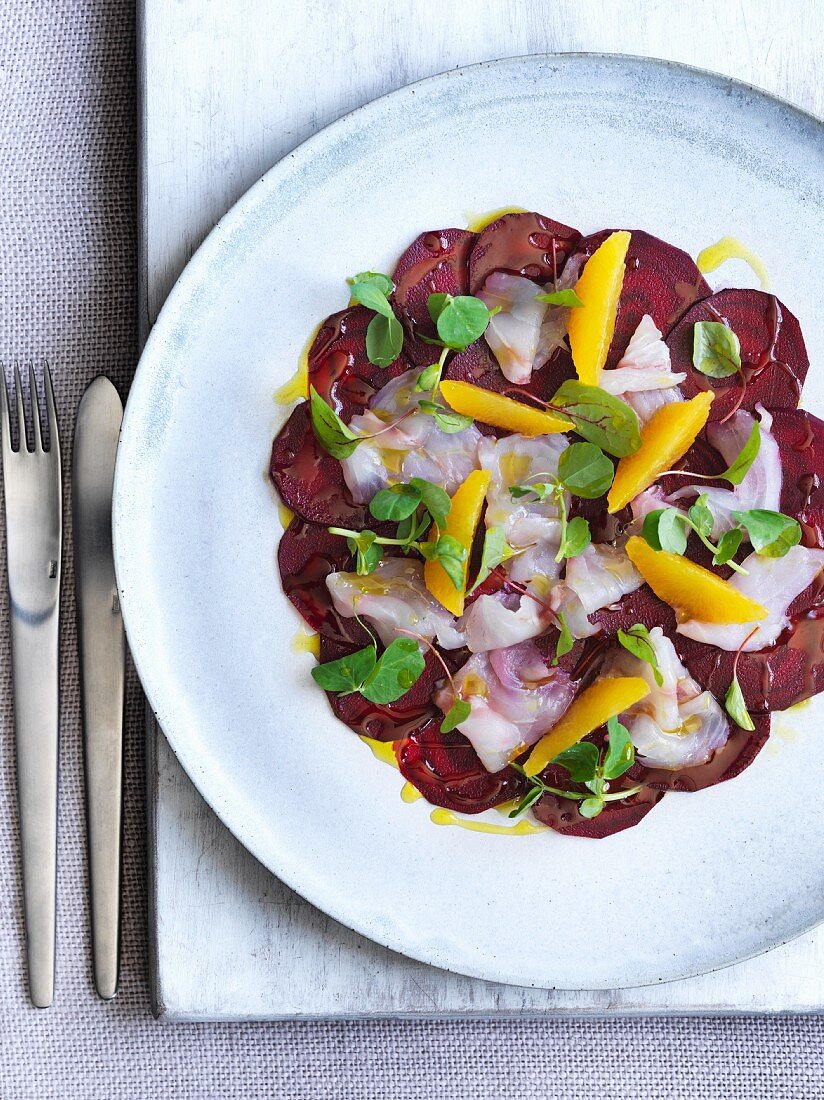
67 293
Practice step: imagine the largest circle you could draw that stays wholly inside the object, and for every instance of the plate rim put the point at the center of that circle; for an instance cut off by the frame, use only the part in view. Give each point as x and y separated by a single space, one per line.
291 161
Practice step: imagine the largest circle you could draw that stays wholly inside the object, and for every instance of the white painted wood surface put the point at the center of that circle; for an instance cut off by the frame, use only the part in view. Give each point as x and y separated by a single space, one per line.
226 90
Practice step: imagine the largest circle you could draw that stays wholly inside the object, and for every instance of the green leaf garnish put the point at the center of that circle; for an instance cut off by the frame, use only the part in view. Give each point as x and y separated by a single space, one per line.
599 417
428 378
621 752
330 431
736 707
585 470
772 534
716 350
565 639
591 807
667 529
736 473
460 321
384 340
575 538
701 517
347 674
370 295
581 761
637 641
543 490
368 552
457 713
664 530
449 553
398 669
728 546
373 278
395 503
496 550
566 298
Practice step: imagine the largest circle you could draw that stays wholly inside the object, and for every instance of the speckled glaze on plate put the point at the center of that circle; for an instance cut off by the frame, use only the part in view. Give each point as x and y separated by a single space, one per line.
708 879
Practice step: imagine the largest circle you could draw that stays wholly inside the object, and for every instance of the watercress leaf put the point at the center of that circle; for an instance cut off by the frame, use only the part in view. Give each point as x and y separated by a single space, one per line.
330 431
436 304
728 546
529 799
457 713
637 641
541 489
565 640
398 669
621 753
434 499
348 673
451 422
591 807
361 541
373 278
428 378
581 761
736 472
736 707
384 339
598 785
585 470
367 560
701 517
716 350
772 534
451 555
396 503
672 531
369 295
428 406
649 528
566 298
462 321
599 417
576 538
495 551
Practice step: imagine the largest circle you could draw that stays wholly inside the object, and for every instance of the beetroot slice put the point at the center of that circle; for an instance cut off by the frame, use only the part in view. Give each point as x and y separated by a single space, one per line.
446 770
480 367
659 279
739 752
435 262
562 814
800 439
521 244
773 355
338 366
309 480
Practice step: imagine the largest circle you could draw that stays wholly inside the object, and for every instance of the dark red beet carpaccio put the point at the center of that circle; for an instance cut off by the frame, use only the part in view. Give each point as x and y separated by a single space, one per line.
773 356
662 281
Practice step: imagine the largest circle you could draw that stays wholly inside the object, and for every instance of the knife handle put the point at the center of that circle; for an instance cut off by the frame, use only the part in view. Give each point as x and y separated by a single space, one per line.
102 667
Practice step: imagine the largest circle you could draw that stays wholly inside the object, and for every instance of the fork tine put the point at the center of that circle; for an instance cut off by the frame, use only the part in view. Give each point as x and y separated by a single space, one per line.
35 410
21 412
51 414
5 422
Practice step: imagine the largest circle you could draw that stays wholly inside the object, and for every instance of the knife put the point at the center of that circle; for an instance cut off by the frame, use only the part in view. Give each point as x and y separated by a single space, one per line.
102 666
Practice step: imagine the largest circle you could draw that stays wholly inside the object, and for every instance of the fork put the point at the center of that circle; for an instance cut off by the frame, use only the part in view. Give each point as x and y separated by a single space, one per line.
33 490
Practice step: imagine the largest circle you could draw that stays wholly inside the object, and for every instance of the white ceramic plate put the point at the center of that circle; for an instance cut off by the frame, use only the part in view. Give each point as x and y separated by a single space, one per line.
705 879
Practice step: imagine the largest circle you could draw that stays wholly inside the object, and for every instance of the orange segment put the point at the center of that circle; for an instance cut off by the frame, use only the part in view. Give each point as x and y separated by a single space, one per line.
594 706
668 435
590 328
461 522
692 590
499 411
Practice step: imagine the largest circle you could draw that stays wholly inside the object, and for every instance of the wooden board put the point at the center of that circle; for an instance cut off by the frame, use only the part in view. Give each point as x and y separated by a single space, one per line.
227 90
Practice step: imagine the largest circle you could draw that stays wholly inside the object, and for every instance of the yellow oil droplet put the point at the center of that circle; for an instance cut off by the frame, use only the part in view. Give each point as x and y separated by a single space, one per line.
802 705
286 515
303 642
730 248
441 816
477 222
297 388
382 750
410 793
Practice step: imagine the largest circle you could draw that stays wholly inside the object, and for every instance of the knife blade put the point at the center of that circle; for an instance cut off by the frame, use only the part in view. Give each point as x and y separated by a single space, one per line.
102 651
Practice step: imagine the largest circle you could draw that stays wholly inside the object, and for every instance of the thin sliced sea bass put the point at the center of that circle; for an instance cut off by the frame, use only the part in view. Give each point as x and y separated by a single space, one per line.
506 618
394 599
678 725
774 583
598 577
413 445
761 485
644 377
514 699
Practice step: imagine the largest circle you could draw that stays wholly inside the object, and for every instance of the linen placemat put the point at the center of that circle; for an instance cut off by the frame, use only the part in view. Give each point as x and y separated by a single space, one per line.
67 262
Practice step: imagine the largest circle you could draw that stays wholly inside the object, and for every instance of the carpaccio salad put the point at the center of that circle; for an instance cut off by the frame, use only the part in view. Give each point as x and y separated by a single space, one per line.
557 521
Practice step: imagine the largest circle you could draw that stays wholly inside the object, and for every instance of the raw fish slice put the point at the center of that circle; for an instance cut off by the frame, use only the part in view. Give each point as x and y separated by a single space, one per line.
435 262
773 355
338 366
738 753
480 367
521 244
659 280
308 480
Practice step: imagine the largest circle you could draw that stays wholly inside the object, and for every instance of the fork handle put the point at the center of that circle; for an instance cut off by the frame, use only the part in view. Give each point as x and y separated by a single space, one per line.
34 677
